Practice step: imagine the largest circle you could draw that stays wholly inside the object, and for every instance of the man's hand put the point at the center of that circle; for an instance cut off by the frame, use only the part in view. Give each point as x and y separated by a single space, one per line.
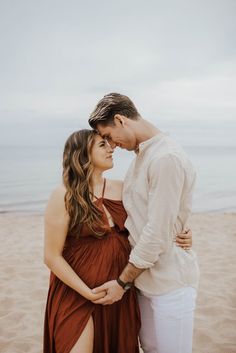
114 293
184 240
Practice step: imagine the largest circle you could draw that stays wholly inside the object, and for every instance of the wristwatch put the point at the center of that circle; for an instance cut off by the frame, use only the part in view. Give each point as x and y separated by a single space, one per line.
124 285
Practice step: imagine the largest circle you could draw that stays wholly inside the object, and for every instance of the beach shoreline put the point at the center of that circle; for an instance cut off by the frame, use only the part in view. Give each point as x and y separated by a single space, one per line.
24 282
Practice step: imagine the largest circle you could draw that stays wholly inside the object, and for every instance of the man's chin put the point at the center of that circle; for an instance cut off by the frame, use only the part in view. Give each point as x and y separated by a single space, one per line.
127 148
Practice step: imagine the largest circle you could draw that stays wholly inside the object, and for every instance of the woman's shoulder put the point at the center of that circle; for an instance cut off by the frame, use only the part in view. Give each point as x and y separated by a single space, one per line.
114 188
58 193
56 202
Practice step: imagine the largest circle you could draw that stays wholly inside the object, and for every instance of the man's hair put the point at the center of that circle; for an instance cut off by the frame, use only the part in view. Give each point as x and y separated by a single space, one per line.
110 105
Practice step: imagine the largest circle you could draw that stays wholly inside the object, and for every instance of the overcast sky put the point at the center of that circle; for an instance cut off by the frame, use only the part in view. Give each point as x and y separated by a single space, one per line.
175 59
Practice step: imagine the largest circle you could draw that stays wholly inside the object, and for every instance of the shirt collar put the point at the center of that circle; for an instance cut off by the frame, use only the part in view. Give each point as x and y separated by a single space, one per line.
145 144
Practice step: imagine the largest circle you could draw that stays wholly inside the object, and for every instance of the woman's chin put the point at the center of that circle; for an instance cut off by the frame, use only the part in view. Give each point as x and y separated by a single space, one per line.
103 167
109 166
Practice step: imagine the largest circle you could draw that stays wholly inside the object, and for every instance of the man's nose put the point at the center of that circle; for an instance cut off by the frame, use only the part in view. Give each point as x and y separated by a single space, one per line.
112 144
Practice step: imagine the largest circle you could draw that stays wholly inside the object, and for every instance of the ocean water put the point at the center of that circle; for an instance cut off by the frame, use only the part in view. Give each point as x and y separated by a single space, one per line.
31 157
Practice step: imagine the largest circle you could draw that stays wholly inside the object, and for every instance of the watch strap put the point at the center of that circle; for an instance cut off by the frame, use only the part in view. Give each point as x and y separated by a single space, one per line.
121 283
124 285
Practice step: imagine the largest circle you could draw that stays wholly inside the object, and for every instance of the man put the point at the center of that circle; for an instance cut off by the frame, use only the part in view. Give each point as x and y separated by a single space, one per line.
157 196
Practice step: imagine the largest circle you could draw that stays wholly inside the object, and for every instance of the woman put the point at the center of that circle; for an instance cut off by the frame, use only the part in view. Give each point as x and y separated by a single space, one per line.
86 244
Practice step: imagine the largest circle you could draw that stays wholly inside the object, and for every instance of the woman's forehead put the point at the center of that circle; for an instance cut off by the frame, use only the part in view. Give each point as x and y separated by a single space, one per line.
98 138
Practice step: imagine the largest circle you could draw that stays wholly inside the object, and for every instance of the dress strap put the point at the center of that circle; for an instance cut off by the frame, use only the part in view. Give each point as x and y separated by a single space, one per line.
104 186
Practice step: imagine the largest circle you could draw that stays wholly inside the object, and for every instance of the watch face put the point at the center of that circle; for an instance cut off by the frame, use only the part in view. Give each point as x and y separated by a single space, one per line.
127 286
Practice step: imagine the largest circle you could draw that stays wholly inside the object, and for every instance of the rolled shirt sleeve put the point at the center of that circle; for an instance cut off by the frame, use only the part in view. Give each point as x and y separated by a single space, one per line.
166 177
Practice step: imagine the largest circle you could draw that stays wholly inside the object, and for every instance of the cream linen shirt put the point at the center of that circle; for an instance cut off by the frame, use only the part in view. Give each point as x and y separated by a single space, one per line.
157 196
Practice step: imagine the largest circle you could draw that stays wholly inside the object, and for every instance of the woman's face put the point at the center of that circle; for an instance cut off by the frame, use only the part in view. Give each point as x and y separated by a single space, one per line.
101 154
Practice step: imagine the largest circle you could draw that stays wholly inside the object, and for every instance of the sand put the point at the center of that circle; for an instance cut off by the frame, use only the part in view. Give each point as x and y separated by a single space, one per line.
24 283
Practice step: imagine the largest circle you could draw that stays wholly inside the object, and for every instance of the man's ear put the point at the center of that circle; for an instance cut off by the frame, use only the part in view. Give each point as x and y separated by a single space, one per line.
119 120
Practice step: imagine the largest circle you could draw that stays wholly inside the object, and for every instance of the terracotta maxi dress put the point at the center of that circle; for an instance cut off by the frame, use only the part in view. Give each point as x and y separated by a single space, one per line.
95 260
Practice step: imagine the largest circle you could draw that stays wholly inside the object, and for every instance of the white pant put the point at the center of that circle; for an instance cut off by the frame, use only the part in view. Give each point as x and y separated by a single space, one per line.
167 321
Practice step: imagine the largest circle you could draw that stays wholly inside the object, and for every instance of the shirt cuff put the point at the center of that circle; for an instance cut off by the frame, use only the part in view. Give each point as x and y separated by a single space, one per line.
138 261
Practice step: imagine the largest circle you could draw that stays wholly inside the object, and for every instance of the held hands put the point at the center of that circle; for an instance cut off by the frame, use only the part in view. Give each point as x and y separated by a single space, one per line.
184 240
113 293
95 296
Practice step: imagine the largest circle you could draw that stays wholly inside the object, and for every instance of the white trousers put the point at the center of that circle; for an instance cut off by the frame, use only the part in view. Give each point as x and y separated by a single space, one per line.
167 321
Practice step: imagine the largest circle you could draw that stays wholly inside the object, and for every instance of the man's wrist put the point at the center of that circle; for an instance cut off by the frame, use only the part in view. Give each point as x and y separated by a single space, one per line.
124 285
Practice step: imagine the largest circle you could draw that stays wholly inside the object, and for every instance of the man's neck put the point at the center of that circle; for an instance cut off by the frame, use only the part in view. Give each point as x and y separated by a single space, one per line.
146 131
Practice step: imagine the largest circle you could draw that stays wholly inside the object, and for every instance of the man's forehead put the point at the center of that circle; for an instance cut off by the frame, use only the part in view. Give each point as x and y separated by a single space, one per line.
104 131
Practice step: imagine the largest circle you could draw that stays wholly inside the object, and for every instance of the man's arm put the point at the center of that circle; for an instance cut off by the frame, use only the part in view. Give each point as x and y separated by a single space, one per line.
166 180
130 272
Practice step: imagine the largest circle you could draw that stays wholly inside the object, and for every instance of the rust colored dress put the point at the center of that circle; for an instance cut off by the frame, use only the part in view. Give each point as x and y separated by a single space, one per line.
95 260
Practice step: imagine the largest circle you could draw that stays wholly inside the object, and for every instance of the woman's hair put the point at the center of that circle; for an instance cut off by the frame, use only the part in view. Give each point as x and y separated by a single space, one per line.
77 178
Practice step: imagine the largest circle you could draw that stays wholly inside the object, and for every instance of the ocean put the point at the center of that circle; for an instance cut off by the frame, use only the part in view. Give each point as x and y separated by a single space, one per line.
31 158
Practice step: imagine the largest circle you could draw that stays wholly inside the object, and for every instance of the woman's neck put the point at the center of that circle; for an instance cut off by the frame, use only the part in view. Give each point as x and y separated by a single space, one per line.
98 181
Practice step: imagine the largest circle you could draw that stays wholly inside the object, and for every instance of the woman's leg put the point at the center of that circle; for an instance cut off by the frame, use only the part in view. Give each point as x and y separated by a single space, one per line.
85 342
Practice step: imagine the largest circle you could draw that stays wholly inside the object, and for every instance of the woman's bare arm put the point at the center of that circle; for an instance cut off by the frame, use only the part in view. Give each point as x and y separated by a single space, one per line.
56 226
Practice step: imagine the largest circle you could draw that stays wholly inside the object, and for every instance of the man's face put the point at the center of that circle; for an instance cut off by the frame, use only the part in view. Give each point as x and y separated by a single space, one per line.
118 135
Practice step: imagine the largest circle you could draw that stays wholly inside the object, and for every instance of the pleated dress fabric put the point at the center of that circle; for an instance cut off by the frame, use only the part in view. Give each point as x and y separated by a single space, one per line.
96 261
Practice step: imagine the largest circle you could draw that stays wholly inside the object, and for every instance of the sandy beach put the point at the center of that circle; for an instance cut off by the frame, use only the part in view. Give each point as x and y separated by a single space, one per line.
24 283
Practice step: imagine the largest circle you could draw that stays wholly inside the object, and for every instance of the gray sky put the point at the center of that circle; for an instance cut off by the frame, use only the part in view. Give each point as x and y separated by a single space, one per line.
175 59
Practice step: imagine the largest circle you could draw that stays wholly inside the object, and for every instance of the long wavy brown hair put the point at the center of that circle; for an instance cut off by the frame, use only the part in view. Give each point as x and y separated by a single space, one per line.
77 178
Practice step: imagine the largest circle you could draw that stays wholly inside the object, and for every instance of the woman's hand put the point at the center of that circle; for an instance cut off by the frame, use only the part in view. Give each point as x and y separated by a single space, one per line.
184 240
92 296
